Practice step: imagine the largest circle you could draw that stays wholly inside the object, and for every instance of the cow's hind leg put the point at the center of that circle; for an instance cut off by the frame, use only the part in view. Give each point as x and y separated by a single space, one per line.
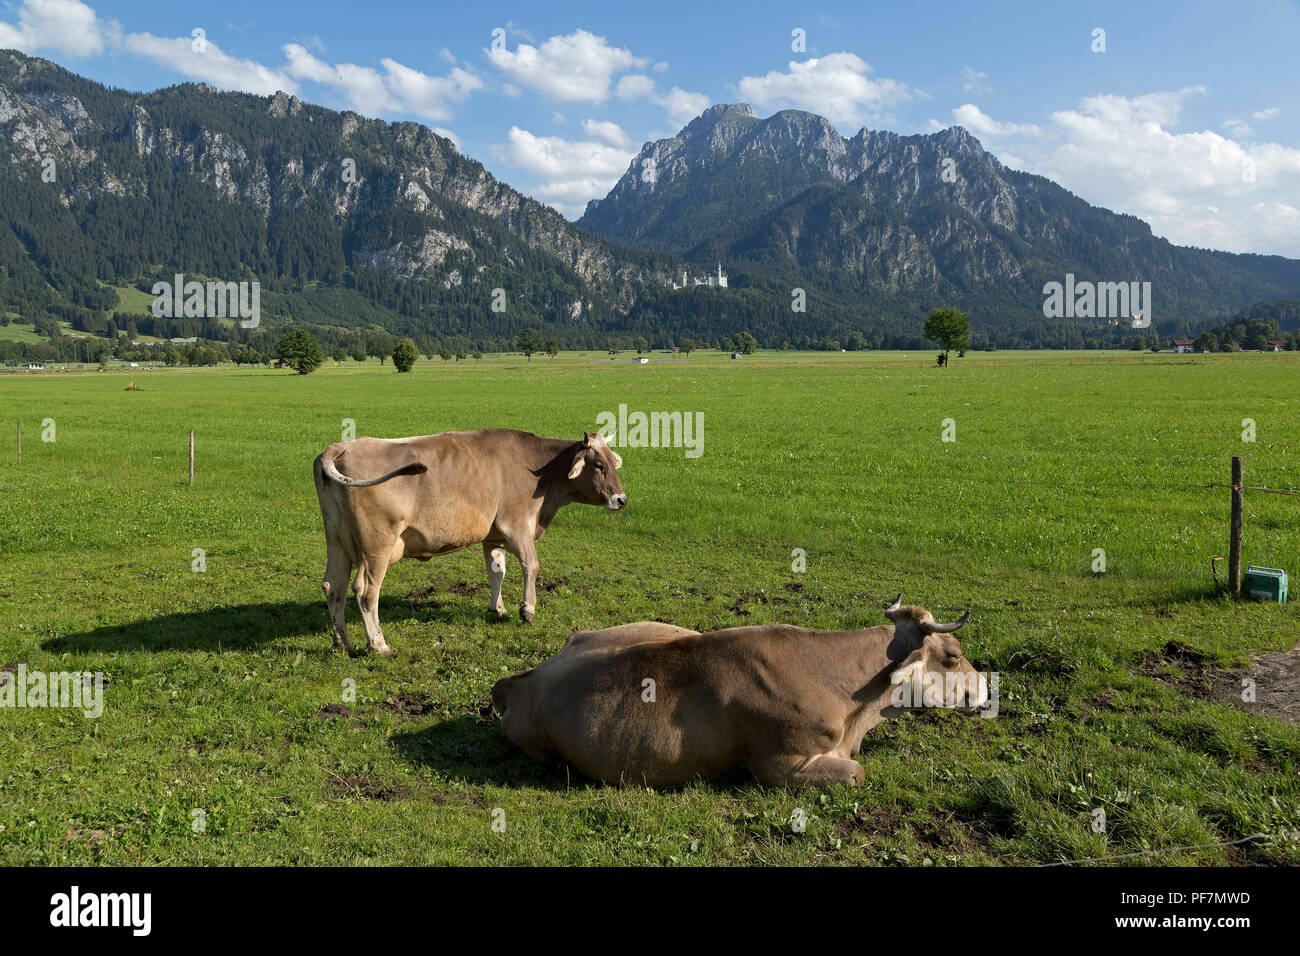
337 570
796 771
370 578
495 559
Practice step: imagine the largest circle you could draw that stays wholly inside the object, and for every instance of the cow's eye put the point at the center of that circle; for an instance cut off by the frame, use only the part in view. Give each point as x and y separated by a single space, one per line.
599 466
952 660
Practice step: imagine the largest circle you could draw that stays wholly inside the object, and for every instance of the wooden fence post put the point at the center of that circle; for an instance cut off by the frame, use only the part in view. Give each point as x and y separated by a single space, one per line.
191 456
20 443
1235 532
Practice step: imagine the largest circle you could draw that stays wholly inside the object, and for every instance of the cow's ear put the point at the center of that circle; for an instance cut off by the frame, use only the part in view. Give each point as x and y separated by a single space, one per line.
578 464
911 668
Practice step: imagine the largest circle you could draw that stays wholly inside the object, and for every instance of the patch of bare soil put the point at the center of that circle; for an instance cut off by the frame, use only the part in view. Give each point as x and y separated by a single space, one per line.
410 704
1275 676
367 788
755 597
335 710
1277 684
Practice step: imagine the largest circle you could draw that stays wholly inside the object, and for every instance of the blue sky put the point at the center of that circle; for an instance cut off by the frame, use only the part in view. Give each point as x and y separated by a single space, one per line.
1189 118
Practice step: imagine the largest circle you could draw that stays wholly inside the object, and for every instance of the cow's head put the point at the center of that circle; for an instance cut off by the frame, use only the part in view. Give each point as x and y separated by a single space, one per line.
593 473
935 673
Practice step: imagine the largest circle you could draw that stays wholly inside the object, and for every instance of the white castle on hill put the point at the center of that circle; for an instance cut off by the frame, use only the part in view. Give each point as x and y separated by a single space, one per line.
718 281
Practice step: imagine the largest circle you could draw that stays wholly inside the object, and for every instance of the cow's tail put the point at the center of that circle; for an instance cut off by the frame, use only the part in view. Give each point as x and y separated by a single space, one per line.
333 474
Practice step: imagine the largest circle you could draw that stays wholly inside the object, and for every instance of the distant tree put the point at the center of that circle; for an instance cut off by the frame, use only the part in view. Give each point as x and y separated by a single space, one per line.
340 355
687 346
359 353
1259 343
744 343
854 342
460 355
552 348
528 341
1205 342
380 346
405 353
477 356
1227 347
445 355
299 350
950 328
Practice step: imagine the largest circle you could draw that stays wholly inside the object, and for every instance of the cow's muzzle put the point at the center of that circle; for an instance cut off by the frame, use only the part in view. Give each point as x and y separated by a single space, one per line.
616 503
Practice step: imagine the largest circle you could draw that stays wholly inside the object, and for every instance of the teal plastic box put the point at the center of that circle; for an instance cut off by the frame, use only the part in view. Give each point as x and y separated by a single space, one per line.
1265 584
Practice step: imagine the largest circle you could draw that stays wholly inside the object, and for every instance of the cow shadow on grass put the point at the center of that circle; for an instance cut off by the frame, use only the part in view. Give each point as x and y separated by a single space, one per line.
249 627
475 751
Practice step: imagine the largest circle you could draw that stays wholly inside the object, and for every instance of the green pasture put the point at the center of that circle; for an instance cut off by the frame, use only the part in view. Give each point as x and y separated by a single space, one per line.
224 695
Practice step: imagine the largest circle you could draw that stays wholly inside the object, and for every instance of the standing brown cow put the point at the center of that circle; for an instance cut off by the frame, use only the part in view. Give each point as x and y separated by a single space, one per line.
442 493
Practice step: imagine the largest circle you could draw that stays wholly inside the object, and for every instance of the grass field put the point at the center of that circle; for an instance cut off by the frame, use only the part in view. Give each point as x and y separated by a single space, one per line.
224 695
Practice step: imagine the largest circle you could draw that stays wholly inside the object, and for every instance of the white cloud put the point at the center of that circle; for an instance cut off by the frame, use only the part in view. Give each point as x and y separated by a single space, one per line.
633 86
983 125
607 132
1125 153
682 106
570 172
62 26
429 96
208 63
836 86
1237 129
577 66
1266 114
972 81
398 89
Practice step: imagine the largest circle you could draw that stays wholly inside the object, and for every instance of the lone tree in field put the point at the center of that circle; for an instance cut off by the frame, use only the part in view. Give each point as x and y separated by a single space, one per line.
686 347
340 355
380 346
404 355
950 328
552 348
529 341
300 351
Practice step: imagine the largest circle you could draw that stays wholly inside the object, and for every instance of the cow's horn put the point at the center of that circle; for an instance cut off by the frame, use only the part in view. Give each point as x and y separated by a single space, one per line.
931 628
898 602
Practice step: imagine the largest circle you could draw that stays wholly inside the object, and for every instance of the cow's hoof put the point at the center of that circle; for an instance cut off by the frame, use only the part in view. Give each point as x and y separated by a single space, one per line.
384 651
527 614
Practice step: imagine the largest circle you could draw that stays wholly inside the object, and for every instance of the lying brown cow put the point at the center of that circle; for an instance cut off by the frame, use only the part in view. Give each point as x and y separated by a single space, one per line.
660 705
387 499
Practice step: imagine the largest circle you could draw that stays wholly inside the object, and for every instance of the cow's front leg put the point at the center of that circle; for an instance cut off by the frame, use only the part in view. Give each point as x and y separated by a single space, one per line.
495 559
527 555
796 771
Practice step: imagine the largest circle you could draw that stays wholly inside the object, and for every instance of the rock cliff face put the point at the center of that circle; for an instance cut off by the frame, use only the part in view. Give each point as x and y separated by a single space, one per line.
401 196
889 212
